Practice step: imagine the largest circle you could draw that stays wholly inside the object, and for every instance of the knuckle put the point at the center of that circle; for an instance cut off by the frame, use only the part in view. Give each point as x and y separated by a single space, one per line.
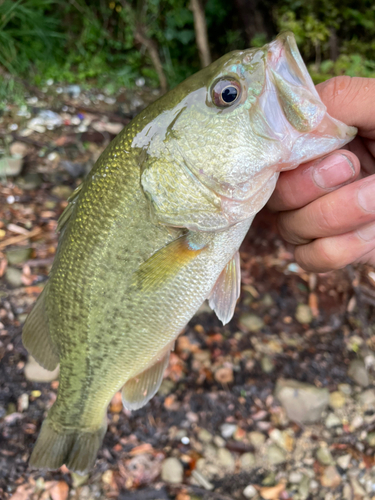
330 255
326 216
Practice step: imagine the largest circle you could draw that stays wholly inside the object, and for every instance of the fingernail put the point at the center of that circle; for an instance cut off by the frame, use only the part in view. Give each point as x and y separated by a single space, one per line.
333 171
366 196
367 233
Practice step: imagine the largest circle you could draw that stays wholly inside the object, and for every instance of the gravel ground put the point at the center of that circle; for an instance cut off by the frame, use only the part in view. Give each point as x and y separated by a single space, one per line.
278 404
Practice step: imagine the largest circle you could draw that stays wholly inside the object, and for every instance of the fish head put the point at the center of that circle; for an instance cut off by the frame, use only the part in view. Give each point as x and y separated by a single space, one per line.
233 126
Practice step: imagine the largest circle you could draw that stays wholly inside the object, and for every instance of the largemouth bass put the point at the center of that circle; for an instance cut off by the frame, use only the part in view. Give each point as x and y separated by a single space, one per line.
155 229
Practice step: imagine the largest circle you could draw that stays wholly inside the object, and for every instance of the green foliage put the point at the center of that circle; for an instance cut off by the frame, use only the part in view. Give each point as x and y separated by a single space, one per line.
94 42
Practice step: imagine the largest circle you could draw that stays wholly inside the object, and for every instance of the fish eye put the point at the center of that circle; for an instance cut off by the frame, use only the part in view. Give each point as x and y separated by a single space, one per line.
225 92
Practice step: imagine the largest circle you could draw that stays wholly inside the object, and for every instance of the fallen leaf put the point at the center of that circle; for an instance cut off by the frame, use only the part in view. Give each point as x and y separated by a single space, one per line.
272 492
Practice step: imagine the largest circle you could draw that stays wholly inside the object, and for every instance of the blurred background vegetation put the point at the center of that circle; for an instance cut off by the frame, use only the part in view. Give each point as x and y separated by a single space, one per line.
109 44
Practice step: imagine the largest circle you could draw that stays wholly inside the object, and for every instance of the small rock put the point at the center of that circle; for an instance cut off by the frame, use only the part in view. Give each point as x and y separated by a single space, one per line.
62 192
303 314
227 430
295 477
172 471
219 441
371 438
18 255
345 389
282 439
303 402
36 373
330 477
267 364
30 181
275 455
347 493
250 322
249 491
256 438
23 402
224 375
247 461
13 277
357 422
324 456
10 166
367 400
332 421
18 149
204 436
344 461
357 371
357 488
305 487
226 460
337 400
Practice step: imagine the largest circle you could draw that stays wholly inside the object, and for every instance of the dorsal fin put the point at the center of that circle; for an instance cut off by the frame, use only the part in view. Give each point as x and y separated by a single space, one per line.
65 216
224 295
140 389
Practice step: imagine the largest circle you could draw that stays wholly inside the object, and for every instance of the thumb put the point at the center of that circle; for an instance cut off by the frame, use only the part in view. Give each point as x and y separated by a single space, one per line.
351 100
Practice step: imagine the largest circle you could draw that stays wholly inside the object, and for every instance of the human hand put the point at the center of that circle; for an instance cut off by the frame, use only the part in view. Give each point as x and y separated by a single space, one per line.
327 206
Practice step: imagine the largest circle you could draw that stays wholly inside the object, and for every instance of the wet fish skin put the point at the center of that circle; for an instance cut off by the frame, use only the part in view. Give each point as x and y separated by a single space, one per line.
155 230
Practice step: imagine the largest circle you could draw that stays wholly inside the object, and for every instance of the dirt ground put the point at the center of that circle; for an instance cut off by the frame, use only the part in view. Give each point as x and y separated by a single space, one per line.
216 430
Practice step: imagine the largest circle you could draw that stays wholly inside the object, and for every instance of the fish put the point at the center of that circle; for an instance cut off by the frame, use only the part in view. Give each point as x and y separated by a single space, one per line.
155 229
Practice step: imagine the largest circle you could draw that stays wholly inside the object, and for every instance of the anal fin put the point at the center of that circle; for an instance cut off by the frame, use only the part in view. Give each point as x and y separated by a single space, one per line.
139 390
224 295
36 337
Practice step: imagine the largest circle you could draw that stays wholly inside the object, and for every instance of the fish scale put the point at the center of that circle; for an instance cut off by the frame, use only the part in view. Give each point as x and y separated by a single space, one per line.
155 230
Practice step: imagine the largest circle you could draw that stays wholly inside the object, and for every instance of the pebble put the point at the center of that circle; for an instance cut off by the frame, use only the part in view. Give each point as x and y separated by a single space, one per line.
247 461
357 422
251 322
226 460
345 389
62 192
295 477
227 430
267 364
18 255
332 420
367 400
324 456
357 488
357 371
36 373
337 400
172 471
275 455
249 491
371 439
344 461
10 166
303 314
13 277
304 487
219 441
303 402
256 438
204 436
330 477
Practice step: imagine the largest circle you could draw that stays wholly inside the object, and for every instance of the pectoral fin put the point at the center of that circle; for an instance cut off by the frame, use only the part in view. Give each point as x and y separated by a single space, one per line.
139 390
226 291
168 261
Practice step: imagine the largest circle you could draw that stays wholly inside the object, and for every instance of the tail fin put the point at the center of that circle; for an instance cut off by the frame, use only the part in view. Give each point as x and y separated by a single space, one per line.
75 448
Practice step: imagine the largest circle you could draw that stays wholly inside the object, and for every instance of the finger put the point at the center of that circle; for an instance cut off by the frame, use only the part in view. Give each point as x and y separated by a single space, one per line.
362 148
335 213
297 188
335 252
351 100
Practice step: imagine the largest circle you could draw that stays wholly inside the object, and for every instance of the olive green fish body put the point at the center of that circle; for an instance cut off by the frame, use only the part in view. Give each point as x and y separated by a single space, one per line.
155 229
